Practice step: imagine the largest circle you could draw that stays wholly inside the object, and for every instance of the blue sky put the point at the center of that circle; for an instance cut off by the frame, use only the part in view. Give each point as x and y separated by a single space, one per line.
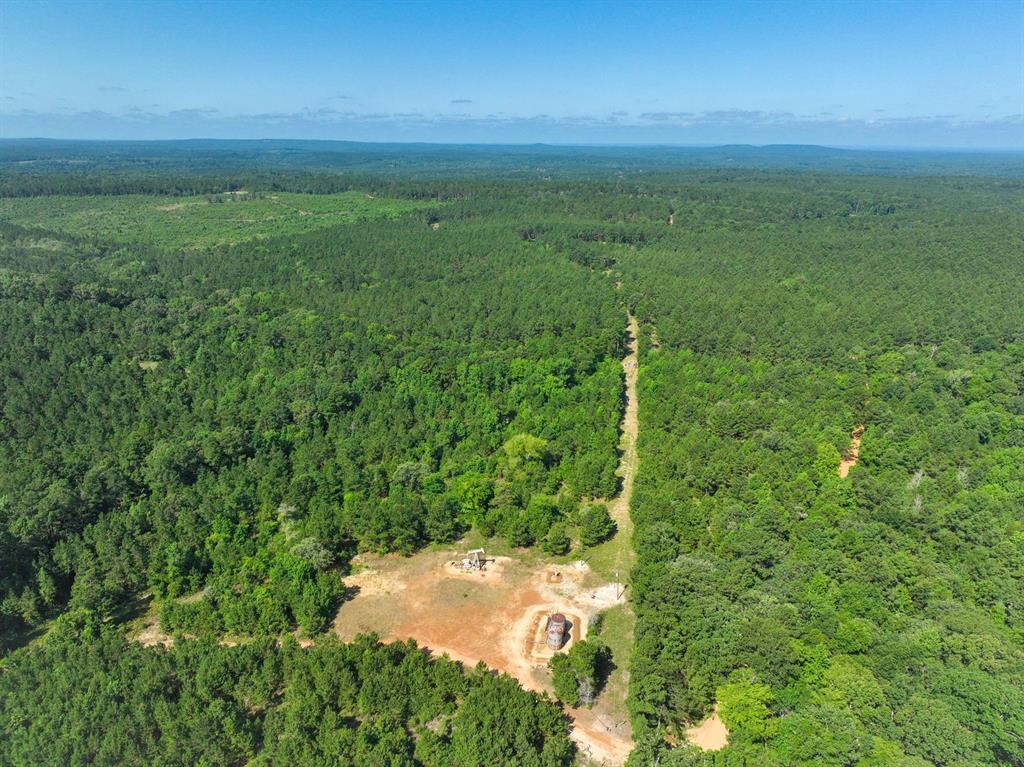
910 74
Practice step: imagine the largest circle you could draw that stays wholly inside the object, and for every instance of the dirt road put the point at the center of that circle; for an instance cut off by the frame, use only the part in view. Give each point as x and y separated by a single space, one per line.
618 507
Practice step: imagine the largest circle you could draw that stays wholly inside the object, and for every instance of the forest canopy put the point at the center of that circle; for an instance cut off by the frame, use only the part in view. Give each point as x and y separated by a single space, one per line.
323 352
85 695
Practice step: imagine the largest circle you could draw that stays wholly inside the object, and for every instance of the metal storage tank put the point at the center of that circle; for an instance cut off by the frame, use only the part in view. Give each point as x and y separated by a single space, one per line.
556 630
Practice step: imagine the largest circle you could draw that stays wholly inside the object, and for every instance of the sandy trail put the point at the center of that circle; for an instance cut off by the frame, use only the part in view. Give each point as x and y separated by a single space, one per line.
849 460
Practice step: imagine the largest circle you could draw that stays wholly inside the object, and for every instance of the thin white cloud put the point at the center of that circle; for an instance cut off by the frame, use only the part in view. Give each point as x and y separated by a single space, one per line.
665 116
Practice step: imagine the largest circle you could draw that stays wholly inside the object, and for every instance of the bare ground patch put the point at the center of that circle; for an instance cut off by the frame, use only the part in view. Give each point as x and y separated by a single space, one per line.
709 735
152 635
490 616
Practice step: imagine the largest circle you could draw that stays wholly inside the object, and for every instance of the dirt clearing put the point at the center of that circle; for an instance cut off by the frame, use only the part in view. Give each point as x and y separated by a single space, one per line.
152 635
496 615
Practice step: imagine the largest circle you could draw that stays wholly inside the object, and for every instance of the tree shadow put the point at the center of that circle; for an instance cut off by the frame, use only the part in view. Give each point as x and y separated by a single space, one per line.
15 639
131 609
605 666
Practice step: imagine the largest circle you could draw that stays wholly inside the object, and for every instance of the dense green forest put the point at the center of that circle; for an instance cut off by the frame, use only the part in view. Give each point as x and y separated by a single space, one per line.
872 619
218 407
243 419
86 696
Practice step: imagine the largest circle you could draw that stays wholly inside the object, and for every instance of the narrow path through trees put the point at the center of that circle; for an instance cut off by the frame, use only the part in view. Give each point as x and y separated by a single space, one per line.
603 733
630 428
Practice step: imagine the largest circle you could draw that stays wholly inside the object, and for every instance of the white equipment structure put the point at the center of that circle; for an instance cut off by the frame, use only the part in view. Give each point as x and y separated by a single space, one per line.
474 560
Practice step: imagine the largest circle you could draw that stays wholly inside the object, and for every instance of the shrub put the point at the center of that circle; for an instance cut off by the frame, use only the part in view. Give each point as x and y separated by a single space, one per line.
596 525
557 541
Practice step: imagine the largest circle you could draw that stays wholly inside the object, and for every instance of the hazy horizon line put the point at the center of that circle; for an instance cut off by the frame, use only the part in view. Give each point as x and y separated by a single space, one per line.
527 144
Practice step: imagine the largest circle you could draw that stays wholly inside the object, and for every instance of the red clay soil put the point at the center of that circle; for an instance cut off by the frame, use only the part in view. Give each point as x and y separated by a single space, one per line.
490 616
